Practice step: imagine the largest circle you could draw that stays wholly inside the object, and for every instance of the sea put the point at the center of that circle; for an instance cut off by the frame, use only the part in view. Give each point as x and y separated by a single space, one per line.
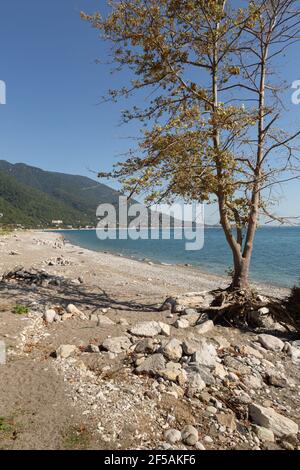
276 256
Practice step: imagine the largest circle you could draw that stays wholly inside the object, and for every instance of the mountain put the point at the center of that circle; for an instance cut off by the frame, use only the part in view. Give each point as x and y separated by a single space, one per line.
31 196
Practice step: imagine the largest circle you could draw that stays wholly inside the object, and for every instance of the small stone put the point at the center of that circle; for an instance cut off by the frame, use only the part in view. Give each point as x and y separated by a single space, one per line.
173 350
227 420
271 342
173 436
104 321
199 446
205 327
211 410
190 311
189 346
182 323
208 440
148 329
66 316
251 352
146 346
195 384
165 329
264 434
189 435
252 382
93 317
116 345
65 350
205 355
276 380
73 309
49 316
220 371
93 348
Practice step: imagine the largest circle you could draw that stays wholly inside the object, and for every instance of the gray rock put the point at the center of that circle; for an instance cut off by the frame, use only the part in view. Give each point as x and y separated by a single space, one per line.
195 384
189 435
104 321
206 354
293 352
190 346
264 434
190 311
116 345
165 329
199 446
182 323
172 350
173 436
252 382
148 329
93 348
65 350
270 419
152 365
205 372
146 346
271 342
204 327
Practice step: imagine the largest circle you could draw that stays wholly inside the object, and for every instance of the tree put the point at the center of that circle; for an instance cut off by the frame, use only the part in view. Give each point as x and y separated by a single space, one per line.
209 132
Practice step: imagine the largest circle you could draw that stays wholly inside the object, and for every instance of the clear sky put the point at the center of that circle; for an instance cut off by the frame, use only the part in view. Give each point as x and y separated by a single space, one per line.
52 118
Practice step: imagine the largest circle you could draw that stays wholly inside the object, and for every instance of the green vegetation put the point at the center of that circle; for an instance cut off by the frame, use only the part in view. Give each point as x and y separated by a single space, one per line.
33 198
76 439
20 309
5 427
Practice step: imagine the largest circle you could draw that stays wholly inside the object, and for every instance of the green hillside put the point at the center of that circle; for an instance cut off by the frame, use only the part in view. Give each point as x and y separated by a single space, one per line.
32 197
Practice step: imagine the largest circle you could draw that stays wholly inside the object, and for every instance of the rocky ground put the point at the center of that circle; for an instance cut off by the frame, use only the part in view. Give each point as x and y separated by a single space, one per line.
92 361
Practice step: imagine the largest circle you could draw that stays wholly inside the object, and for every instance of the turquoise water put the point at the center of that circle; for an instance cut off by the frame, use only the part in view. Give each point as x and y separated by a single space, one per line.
276 258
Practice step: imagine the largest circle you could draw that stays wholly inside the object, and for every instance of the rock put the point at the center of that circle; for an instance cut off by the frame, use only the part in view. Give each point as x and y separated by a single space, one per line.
235 364
199 446
75 311
195 384
192 319
205 327
165 329
252 382
189 346
205 372
146 346
293 352
270 419
222 342
181 323
190 311
66 316
264 434
189 435
123 322
148 329
220 371
249 351
172 350
116 345
208 440
93 348
260 318
2 353
271 342
174 372
152 365
104 321
227 420
173 436
276 380
49 316
65 350
206 354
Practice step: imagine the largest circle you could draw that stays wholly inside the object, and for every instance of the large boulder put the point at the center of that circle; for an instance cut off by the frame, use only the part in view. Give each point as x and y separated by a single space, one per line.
270 419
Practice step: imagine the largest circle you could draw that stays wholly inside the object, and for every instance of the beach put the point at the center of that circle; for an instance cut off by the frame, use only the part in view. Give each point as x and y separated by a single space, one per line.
58 390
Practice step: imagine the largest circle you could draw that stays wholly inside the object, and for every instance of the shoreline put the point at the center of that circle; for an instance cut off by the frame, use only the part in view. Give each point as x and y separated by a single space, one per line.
263 287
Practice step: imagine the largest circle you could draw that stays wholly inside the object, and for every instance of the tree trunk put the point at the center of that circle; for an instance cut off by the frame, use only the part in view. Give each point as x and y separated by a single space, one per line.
240 279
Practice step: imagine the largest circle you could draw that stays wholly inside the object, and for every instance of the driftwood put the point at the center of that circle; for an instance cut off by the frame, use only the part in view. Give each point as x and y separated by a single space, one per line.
31 277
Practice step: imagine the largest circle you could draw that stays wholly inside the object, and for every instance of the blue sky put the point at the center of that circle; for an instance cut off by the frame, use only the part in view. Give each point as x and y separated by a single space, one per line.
52 118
